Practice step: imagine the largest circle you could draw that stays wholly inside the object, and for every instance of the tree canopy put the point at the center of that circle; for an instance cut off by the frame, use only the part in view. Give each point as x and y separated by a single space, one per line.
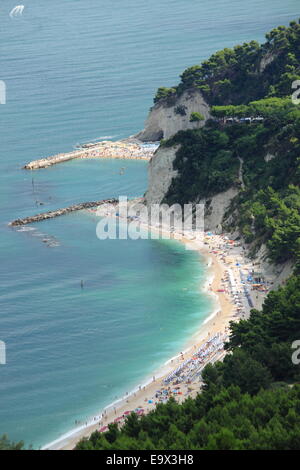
250 401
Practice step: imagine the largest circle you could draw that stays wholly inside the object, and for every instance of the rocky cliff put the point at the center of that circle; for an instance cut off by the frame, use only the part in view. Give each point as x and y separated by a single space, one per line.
166 119
218 216
161 174
245 171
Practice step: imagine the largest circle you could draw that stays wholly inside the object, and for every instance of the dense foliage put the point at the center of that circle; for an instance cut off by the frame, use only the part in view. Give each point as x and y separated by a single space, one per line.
262 159
196 117
269 108
251 400
164 93
228 420
247 72
6 444
250 80
205 162
246 402
274 217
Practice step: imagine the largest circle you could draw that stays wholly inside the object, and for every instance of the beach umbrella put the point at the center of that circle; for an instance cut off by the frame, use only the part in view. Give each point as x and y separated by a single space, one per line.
127 413
117 420
104 428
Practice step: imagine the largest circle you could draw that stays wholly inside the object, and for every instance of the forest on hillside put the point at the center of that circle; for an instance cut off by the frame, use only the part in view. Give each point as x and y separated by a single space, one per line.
251 400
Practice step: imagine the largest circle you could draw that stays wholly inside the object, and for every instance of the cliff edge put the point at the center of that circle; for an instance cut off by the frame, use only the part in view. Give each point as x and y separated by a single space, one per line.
166 119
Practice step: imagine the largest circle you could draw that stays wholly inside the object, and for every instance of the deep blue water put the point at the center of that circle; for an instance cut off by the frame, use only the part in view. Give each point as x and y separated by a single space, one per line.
79 70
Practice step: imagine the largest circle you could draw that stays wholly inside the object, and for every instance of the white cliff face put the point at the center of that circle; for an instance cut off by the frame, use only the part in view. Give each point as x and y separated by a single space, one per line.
278 272
163 121
160 173
215 208
265 61
268 157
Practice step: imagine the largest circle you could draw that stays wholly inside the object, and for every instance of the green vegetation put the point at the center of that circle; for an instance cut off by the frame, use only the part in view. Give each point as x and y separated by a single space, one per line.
251 400
164 93
225 420
266 209
249 80
247 401
6 444
249 71
181 110
268 108
266 338
273 217
196 117
205 164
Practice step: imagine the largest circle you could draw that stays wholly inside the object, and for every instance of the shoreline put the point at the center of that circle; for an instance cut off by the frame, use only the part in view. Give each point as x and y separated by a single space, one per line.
217 322
127 149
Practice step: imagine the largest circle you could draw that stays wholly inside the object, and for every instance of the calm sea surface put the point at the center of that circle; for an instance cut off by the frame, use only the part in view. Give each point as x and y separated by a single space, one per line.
79 70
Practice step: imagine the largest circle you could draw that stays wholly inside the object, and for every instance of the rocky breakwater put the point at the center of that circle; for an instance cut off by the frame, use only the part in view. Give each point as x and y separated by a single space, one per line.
105 149
49 161
59 212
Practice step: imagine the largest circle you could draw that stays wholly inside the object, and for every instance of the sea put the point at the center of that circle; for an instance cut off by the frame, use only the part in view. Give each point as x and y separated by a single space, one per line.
85 320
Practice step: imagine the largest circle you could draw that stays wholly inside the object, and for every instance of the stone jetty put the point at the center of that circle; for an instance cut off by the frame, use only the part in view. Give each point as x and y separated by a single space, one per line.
59 212
106 149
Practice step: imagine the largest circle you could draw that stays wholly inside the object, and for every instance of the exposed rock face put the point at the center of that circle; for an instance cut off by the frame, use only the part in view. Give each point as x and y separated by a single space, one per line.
268 157
161 173
265 61
278 272
215 208
164 121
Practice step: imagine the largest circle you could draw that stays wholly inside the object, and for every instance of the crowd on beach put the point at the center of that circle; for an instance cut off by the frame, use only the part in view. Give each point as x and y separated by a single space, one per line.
105 149
190 368
239 284
121 150
178 384
242 286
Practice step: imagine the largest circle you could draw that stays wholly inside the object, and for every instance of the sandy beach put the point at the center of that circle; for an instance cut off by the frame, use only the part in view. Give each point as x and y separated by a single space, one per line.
180 377
125 150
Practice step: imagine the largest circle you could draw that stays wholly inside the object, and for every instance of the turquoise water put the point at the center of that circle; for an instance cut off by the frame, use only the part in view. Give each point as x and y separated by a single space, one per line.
76 71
